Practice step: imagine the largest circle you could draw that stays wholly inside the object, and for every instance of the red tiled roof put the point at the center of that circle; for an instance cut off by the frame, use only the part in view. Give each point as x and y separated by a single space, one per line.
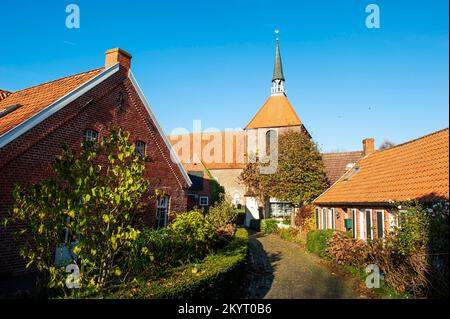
36 98
418 169
276 112
232 153
336 163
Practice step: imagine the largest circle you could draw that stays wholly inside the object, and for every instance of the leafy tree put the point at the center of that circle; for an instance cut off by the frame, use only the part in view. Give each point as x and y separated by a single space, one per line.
94 198
222 212
386 145
300 175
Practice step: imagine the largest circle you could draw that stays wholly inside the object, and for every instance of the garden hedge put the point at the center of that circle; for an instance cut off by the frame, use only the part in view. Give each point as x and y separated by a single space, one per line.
317 241
212 278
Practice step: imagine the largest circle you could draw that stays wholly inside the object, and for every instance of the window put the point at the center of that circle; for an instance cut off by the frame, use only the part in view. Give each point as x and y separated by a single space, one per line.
356 170
270 140
324 218
361 224
203 201
90 135
236 199
318 218
332 218
354 222
380 223
369 230
399 217
139 148
68 240
280 209
162 208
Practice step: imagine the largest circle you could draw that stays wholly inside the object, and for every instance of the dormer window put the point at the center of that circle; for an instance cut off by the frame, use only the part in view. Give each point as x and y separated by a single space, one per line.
139 148
90 136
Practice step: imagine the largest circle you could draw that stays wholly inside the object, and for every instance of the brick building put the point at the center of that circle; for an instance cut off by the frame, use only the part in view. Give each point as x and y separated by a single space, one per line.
364 196
35 122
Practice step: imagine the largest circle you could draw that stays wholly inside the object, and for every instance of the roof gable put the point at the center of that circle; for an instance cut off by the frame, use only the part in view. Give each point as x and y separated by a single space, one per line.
276 112
414 170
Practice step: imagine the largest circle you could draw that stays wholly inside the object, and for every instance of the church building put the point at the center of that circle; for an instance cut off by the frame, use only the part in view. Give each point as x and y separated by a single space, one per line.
222 156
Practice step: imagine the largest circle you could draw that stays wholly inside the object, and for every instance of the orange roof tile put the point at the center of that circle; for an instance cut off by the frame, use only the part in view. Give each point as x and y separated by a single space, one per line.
230 152
418 169
336 163
36 98
276 112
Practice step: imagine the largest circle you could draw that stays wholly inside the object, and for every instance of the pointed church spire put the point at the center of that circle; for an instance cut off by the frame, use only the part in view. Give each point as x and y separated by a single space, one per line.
278 77
278 68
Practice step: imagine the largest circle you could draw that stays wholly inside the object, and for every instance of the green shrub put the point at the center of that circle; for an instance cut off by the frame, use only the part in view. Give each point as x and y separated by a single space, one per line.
197 231
317 241
222 213
286 234
269 226
157 250
214 277
189 238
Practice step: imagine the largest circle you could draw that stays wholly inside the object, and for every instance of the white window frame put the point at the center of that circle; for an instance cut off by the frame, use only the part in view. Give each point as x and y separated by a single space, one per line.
362 224
324 218
332 217
203 198
382 221
354 222
90 135
162 204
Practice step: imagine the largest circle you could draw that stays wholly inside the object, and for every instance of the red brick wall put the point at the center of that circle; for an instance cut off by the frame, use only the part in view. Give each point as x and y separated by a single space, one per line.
28 159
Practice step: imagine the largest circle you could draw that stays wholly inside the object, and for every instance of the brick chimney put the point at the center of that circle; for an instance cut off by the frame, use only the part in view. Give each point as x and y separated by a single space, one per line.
118 55
4 94
368 146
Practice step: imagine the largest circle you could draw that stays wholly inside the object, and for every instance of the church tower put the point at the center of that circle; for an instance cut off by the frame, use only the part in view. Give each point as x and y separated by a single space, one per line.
275 117
277 112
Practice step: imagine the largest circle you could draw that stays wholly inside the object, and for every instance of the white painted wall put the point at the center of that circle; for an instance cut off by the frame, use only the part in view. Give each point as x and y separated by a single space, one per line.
251 210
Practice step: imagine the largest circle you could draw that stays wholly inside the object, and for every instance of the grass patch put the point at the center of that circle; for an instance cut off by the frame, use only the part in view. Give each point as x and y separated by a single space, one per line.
317 242
269 226
384 291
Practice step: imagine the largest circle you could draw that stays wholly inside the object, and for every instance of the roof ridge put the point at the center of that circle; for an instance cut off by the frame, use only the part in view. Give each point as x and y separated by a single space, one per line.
412 141
344 152
59 79
201 133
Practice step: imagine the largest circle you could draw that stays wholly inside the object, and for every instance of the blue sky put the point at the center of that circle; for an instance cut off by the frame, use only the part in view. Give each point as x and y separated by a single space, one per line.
213 60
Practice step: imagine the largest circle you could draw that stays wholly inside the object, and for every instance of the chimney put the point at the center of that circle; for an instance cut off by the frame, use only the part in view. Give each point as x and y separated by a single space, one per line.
368 146
118 55
4 94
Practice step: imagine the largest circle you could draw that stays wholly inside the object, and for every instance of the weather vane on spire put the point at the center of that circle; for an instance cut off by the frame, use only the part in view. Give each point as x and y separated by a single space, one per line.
277 32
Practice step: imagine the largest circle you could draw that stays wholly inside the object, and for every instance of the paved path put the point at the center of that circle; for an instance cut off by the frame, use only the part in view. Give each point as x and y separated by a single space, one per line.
281 269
